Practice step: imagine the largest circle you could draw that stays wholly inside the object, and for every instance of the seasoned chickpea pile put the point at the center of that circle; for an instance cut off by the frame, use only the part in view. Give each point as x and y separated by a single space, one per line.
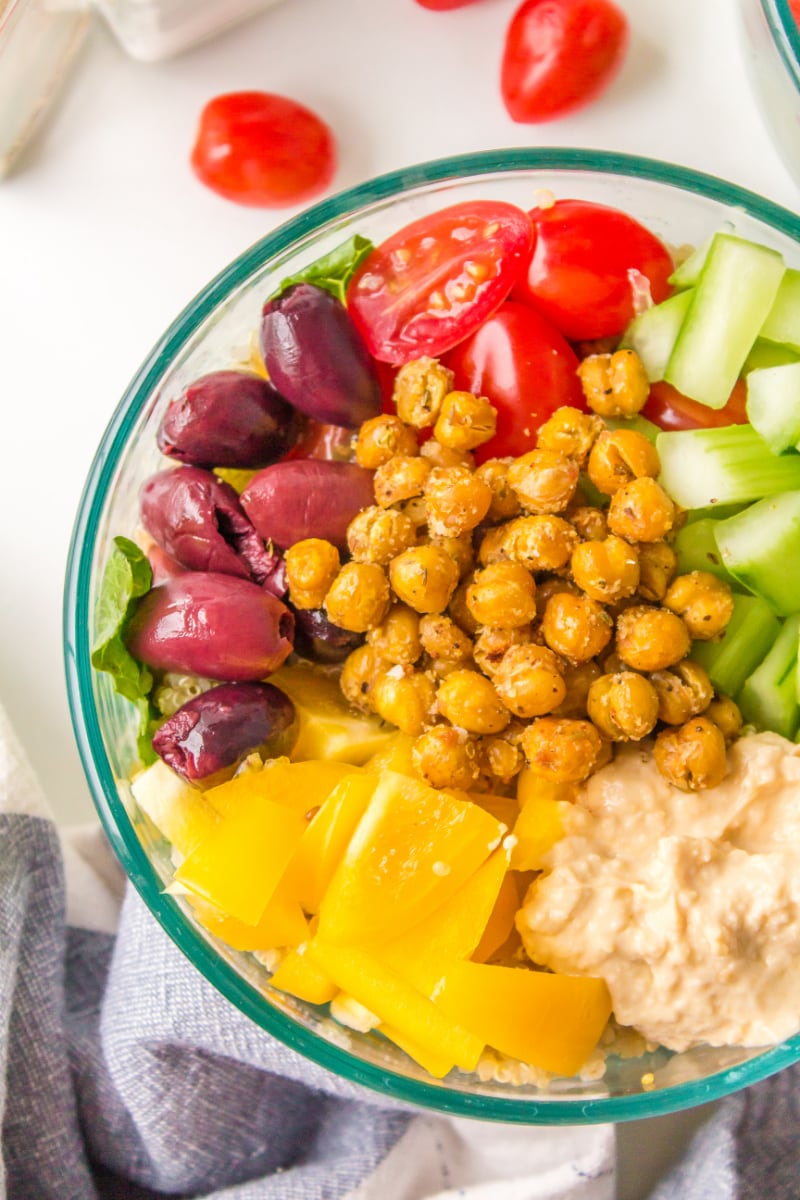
508 620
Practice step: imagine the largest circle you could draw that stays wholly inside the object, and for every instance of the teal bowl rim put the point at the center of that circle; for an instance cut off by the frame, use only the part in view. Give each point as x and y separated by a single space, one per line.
77 623
786 35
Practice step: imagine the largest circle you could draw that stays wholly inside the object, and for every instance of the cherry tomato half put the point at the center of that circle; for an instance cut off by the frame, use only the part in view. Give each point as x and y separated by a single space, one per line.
523 365
434 282
579 272
263 150
670 409
559 55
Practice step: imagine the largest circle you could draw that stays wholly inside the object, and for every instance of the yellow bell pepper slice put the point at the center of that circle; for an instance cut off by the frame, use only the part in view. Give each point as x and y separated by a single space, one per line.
394 755
181 813
413 848
302 786
329 728
549 1021
301 976
541 820
397 1004
501 919
281 924
433 1061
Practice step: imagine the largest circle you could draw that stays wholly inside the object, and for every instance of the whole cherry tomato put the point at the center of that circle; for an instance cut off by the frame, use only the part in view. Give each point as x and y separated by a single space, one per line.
670 409
432 284
263 150
580 272
523 365
559 55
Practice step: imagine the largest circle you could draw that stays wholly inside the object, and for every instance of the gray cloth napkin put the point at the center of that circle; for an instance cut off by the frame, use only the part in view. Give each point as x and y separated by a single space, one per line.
127 1075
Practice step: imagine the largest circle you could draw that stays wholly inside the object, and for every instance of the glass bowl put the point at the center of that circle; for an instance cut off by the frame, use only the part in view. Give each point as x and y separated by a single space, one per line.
679 205
771 46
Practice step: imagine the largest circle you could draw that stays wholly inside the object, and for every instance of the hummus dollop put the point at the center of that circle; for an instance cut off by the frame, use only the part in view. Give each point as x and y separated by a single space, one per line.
686 903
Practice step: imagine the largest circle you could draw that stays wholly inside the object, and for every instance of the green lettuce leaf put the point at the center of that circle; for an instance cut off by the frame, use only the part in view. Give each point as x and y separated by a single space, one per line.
333 271
126 578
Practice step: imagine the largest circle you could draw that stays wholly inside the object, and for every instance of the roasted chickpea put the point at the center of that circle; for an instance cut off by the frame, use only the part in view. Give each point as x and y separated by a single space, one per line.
465 421
380 534
562 749
607 571
469 701
570 432
541 543
684 691
553 586
441 638
416 511
619 456
446 758
420 387
460 550
401 478
424 578
397 638
456 500
641 511
381 438
442 456
543 480
504 502
458 610
494 545
576 627
692 757
624 706
704 601
499 759
529 681
404 698
650 639
358 598
311 567
725 713
359 671
657 565
577 680
492 642
503 593
615 385
589 523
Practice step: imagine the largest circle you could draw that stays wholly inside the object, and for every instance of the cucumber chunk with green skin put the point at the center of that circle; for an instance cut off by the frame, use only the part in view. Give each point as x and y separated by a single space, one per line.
688 273
638 424
652 334
761 548
745 642
782 323
768 354
715 512
697 550
768 698
702 468
734 294
773 405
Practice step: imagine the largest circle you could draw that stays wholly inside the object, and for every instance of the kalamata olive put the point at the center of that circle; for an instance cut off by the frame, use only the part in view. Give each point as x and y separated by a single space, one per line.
304 498
206 623
199 521
316 357
209 736
228 419
317 638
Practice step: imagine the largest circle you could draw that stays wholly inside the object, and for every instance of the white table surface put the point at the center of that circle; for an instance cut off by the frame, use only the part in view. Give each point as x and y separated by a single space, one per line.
105 235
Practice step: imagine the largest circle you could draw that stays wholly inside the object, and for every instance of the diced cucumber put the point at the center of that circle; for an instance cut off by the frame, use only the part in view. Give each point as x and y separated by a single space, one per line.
773 405
768 354
652 333
715 512
761 547
782 323
697 550
688 273
747 639
638 424
768 698
701 468
734 294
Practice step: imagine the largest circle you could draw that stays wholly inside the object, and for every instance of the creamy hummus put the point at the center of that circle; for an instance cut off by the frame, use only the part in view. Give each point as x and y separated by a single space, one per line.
687 904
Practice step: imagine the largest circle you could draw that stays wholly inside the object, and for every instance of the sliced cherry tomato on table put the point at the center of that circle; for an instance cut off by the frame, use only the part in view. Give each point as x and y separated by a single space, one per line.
580 271
525 368
559 55
431 284
263 150
670 409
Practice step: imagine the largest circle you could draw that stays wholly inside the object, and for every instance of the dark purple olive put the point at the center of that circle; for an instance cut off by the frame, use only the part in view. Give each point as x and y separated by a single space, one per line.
304 498
317 638
316 357
198 520
228 419
204 623
210 735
